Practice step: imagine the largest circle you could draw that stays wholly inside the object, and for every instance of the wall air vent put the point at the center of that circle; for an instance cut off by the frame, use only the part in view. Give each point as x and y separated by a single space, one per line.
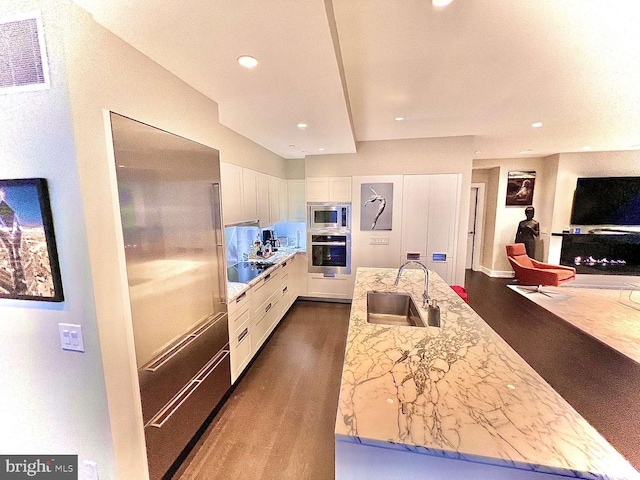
23 58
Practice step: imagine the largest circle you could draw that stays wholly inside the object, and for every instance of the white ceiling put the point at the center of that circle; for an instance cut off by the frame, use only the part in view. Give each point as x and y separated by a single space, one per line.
487 68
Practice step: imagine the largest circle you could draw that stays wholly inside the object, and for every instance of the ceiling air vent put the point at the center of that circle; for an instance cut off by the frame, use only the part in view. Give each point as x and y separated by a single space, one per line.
23 58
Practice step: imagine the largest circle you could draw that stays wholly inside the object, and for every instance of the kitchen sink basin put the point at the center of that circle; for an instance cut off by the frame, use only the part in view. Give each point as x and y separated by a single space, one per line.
390 308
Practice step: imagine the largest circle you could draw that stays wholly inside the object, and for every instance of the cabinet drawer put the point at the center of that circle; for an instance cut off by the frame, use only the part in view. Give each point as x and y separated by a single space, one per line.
262 323
263 291
240 346
168 432
240 302
286 266
237 319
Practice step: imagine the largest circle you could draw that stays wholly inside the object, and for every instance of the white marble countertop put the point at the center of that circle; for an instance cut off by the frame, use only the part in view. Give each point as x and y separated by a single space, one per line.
236 288
458 391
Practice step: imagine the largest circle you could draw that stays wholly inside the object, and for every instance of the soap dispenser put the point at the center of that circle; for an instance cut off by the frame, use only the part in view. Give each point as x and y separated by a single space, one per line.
433 319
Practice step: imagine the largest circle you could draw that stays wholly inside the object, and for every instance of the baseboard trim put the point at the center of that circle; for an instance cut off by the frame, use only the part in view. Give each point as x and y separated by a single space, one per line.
496 273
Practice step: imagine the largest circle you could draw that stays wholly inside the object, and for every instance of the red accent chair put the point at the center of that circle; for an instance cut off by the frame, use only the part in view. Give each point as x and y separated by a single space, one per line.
461 291
531 272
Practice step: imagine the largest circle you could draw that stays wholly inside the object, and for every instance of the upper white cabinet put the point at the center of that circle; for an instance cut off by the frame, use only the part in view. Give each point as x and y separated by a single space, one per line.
429 220
231 180
249 194
263 199
328 189
296 203
283 196
274 199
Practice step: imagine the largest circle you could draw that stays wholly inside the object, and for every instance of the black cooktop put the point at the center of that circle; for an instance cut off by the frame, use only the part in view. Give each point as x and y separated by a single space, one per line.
244 272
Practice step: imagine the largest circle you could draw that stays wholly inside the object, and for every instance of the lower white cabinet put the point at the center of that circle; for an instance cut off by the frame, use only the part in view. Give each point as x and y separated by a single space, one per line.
255 313
240 348
337 286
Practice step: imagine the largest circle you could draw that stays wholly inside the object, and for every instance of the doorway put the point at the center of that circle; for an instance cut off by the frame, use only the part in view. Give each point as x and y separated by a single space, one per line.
475 227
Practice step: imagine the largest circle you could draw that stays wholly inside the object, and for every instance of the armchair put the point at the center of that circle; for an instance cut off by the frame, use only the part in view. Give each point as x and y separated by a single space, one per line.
531 272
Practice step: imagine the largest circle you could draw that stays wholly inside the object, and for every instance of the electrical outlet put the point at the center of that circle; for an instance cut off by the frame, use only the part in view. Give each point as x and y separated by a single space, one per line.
378 240
90 470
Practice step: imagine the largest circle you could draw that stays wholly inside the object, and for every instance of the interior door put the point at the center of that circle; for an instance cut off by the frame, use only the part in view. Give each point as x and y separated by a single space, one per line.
471 228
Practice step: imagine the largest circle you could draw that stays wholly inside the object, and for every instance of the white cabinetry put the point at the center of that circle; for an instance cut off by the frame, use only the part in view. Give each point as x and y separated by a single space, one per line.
249 194
430 220
283 197
328 189
263 199
239 333
295 199
240 199
231 180
338 286
274 199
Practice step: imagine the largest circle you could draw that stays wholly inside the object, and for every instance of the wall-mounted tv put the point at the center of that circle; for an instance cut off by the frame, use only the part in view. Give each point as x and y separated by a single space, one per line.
606 201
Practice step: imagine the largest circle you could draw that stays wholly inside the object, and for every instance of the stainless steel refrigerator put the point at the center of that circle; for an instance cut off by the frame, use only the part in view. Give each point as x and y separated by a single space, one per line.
169 192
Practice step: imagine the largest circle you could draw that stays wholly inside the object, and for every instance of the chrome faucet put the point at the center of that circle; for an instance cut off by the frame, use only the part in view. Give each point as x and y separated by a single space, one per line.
425 294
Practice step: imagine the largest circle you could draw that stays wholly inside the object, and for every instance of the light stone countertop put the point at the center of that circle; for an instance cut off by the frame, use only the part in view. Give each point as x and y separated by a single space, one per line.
284 253
458 392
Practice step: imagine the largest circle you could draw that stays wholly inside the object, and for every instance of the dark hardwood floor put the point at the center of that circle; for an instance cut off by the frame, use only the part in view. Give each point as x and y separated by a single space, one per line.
278 422
600 383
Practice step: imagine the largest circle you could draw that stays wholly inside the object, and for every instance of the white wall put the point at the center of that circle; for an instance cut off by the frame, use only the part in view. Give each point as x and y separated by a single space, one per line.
53 401
508 217
387 158
58 402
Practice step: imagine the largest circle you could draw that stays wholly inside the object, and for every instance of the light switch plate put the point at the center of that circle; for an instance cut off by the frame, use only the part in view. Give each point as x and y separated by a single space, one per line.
71 337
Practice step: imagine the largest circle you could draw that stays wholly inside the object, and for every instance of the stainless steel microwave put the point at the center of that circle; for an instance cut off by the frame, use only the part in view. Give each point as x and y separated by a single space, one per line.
329 215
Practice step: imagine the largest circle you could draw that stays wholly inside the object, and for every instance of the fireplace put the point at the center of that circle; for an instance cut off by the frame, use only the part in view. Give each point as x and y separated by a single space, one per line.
602 254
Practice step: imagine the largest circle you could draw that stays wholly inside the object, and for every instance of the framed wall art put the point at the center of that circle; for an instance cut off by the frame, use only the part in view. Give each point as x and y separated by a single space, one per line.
376 211
29 268
520 188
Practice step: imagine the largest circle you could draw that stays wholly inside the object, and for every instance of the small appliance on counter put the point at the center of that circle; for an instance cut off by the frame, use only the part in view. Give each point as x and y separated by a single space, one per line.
269 238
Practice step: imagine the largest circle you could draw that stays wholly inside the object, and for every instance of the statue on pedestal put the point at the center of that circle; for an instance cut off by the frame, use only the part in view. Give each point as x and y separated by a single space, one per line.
528 231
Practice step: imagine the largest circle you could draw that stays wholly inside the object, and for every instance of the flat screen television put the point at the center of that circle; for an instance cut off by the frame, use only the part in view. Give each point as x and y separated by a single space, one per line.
606 201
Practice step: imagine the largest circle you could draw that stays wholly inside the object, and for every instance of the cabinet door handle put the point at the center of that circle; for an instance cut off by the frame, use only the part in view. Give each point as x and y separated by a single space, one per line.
267 277
284 290
244 333
284 264
241 296
267 308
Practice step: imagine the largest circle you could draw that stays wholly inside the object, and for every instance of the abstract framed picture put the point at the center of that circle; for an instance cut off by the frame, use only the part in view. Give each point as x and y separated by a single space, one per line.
29 268
376 212
520 188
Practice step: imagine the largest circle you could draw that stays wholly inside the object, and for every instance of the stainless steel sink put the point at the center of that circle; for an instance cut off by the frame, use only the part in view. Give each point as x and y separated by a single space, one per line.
390 308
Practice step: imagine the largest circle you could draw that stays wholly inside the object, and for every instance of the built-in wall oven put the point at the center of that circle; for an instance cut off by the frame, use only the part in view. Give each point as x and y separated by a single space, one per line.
329 215
329 251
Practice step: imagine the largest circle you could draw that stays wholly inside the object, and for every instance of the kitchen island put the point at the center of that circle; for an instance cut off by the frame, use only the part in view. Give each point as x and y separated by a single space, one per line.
453 402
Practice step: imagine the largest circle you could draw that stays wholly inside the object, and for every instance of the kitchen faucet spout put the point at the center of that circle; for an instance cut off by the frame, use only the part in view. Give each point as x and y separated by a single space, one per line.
425 294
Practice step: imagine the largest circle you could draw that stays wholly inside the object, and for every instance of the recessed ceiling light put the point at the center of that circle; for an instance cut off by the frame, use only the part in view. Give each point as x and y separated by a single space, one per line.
291 145
477 152
441 3
586 148
510 387
526 151
399 119
536 124
321 149
247 61
302 126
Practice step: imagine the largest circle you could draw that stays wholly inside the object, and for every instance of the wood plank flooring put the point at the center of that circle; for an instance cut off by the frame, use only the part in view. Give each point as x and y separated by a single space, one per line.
278 422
